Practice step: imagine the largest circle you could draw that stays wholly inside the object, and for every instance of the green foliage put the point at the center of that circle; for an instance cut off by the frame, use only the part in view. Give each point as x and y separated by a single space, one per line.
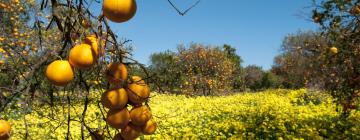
270 80
271 114
238 81
230 53
168 73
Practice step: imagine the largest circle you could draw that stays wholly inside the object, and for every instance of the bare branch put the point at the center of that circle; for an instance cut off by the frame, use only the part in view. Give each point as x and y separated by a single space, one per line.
182 13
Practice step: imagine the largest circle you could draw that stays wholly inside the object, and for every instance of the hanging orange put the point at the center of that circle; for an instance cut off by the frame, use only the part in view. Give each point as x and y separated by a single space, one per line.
60 72
140 115
334 50
81 56
137 90
119 10
118 118
116 73
114 98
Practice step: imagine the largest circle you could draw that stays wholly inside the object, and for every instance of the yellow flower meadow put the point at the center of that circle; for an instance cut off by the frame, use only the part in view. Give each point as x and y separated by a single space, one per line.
273 114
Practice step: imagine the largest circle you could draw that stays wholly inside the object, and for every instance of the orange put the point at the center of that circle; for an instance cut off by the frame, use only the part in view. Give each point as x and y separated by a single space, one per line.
60 72
119 10
130 132
138 91
5 129
149 127
333 50
92 40
114 98
118 118
81 56
116 73
140 115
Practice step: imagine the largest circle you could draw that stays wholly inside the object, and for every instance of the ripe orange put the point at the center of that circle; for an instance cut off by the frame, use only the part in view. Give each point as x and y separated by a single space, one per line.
5 129
114 98
116 73
82 56
149 127
92 40
140 115
138 91
60 72
130 132
333 50
119 10
118 118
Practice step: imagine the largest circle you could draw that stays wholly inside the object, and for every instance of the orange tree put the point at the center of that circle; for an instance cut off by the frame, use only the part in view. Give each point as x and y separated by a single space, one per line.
339 59
206 68
299 60
54 46
174 69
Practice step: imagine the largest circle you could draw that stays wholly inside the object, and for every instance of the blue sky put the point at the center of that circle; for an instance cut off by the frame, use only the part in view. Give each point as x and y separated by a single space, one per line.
255 28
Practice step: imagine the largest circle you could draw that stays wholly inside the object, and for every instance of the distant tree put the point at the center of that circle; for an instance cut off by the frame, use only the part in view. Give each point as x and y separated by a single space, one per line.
253 77
164 66
206 68
296 59
197 69
238 74
270 80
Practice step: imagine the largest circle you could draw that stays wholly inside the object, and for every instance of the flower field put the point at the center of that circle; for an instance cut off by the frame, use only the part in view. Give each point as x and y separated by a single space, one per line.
274 114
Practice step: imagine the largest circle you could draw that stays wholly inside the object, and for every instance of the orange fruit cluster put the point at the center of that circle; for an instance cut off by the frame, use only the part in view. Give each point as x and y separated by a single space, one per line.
135 92
82 56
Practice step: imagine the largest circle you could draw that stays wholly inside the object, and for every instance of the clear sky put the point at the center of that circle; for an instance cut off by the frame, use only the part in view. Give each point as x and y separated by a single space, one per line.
255 28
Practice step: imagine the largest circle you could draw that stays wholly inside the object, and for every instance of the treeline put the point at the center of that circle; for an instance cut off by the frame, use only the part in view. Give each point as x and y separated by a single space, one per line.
211 70
199 69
